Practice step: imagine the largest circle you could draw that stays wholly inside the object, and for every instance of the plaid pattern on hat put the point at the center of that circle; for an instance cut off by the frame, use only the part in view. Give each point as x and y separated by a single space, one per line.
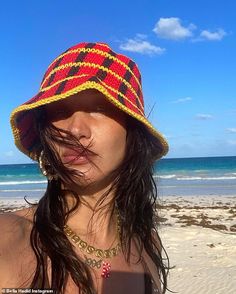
81 67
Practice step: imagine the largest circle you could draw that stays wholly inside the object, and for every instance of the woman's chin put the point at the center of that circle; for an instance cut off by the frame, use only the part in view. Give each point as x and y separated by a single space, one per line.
89 183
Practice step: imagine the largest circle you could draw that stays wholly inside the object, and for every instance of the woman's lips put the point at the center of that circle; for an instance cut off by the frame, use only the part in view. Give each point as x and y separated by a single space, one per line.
74 157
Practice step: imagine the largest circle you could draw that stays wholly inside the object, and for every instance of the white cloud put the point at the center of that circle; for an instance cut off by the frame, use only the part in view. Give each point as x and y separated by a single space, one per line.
204 116
168 137
9 153
141 36
207 35
173 137
171 28
182 100
231 130
213 36
140 45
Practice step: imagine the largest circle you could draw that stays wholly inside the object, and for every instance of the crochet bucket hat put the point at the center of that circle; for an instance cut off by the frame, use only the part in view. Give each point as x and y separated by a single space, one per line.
84 66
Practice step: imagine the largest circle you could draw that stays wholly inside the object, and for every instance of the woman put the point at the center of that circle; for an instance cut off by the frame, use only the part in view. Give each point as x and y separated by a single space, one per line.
94 230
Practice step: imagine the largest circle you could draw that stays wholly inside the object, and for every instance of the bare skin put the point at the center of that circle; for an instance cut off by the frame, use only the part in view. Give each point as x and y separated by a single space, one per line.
17 260
96 123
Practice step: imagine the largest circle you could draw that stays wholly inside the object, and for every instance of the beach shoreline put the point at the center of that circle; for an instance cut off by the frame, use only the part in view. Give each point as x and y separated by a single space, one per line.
199 235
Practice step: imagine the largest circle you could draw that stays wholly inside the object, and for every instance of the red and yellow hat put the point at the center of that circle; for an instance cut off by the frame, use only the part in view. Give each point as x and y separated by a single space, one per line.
84 66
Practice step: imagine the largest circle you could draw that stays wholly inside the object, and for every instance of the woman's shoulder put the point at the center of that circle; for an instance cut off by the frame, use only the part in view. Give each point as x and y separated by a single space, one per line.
15 225
14 243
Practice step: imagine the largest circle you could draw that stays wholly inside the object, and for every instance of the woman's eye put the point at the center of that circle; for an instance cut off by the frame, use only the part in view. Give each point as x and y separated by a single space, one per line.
60 113
100 109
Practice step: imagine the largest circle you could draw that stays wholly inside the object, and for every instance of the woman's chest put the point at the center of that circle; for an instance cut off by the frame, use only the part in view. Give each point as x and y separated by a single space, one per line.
123 278
117 283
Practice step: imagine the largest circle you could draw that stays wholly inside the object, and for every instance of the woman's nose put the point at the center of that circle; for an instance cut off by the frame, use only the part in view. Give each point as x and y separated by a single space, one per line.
79 125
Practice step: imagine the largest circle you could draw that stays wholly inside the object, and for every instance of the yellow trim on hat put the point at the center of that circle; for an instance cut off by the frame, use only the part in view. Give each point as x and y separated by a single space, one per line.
94 65
102 53
85 86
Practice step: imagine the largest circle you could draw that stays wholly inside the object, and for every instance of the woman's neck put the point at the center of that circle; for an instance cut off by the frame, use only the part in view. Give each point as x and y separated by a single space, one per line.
95 219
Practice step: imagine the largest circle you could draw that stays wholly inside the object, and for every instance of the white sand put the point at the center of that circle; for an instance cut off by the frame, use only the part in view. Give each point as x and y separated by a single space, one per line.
12 204
204 258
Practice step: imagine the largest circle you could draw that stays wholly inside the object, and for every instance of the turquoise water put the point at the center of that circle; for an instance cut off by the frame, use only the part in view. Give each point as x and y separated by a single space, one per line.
179 176
18 180
197 176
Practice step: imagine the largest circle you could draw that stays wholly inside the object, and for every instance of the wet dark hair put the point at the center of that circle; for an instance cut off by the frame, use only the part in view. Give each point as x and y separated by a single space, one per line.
135 199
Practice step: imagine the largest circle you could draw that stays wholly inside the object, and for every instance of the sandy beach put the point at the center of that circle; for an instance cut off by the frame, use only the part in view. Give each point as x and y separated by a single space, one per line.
199 234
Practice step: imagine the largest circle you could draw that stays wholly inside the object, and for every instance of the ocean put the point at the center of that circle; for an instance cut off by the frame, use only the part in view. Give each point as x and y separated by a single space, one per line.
197 176
176 176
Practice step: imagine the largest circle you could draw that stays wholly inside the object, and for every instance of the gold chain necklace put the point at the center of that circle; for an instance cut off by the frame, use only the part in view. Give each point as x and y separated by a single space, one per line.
100 253
85 247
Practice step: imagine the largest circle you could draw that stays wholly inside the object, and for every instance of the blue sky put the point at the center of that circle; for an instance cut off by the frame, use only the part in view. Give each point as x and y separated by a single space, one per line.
184 49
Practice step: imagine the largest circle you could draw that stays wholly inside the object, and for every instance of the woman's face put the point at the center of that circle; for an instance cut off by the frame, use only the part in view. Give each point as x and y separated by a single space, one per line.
98 125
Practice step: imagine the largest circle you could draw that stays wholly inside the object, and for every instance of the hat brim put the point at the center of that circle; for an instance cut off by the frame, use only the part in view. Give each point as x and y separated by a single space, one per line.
25 136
